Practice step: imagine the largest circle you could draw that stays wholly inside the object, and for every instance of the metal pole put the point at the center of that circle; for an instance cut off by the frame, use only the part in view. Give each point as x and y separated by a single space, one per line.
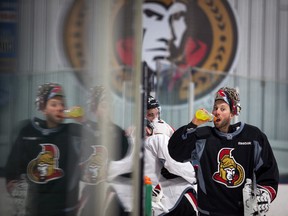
138 96
191 100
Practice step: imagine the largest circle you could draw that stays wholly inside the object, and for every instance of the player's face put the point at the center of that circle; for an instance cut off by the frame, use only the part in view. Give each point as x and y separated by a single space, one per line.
223 115
162 27
152 114
54 111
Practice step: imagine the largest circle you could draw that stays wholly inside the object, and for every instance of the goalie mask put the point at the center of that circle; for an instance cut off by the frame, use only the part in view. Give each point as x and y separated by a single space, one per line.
46 92
231 97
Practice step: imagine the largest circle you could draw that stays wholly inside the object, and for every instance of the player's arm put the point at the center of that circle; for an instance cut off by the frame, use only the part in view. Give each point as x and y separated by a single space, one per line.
267 173
182 142
14 166
266 178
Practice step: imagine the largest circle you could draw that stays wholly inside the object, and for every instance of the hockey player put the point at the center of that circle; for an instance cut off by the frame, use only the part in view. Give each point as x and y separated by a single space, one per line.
153 117
105 156
46 153
174 196
228 154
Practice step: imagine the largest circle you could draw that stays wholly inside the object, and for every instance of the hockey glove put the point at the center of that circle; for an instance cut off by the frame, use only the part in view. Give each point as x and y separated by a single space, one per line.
157 196
256 202
19 193
263 200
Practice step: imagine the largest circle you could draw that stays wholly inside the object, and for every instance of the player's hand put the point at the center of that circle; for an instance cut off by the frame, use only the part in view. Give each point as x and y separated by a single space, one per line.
157 196
263 201
255 204
199 121
11 185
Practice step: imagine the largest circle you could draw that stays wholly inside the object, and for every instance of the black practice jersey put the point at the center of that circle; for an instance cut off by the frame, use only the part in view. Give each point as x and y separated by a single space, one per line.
223 162
50 160
95 160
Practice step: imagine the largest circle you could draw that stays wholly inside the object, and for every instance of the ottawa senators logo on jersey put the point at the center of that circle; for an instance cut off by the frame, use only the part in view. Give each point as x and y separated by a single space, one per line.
44 167
95 167
230 173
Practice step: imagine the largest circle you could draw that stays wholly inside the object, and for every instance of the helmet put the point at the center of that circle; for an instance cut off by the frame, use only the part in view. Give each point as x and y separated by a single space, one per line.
167 3
46 92
152 103
231 97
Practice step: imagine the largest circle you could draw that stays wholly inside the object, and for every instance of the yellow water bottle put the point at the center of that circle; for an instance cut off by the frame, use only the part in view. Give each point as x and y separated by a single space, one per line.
204 115
74 112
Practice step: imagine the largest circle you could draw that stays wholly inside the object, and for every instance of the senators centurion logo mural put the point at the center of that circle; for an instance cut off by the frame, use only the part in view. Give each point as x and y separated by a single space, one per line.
182 41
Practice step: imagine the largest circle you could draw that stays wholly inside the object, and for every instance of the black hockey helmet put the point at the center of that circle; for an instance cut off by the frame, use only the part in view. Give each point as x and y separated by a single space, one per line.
152 103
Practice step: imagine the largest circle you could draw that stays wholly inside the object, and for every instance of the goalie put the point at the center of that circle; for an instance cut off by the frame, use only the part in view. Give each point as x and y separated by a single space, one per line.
237 172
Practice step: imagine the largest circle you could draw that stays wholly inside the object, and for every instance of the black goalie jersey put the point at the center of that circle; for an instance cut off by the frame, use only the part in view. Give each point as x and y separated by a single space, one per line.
49 158
223 162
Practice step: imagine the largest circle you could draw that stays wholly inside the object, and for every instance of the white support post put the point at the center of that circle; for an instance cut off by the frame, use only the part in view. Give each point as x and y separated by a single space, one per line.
191 100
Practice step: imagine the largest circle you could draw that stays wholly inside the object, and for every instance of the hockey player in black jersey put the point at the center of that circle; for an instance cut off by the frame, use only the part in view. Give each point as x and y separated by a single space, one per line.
226 155
44 160
106 160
